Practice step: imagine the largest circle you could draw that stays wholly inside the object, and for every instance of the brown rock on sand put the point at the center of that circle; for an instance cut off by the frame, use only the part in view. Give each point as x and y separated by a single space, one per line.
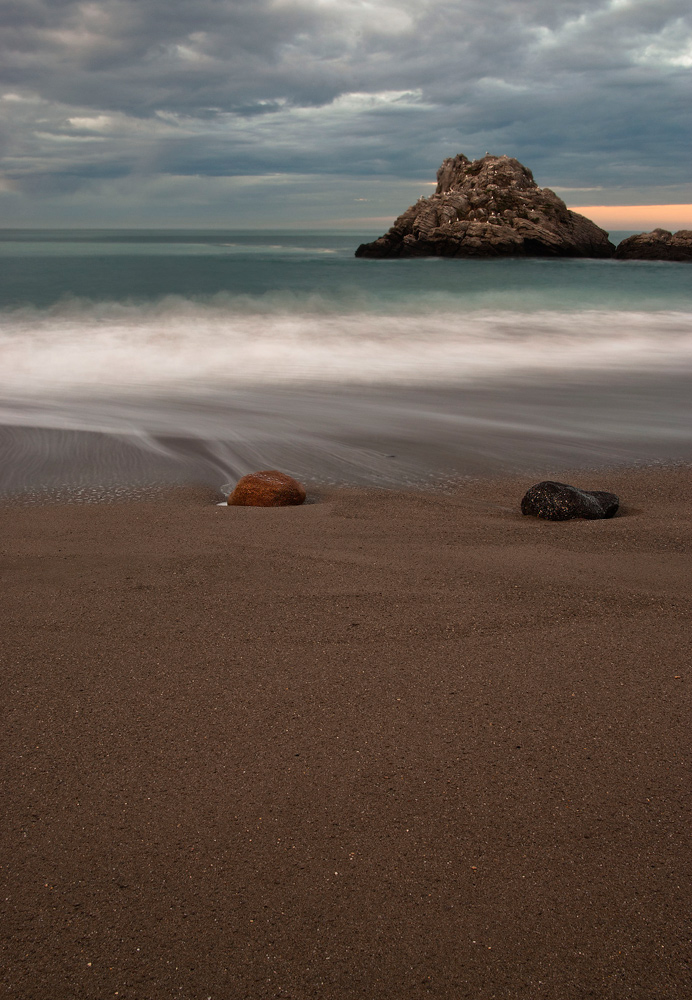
268 488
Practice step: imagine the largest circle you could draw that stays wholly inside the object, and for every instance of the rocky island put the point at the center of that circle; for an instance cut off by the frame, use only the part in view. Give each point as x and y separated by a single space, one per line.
490 207
660 244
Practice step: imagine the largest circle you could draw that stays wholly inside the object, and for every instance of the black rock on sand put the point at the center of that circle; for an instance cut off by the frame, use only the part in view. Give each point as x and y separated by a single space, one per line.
560 502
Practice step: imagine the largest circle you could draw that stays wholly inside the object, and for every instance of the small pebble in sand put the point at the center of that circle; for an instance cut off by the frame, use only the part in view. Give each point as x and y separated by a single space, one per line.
267 489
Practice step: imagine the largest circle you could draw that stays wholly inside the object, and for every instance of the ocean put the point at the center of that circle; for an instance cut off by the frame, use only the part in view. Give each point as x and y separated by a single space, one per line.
136 357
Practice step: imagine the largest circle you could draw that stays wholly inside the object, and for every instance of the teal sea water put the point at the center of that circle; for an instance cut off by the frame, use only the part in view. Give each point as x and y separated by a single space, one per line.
148 355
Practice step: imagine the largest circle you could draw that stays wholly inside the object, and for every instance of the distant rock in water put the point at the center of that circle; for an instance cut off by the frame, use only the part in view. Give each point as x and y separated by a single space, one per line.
560 502
660 244
490 207
268 488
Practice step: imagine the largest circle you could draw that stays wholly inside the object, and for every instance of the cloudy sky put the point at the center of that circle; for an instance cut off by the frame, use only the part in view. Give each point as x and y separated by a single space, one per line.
274 112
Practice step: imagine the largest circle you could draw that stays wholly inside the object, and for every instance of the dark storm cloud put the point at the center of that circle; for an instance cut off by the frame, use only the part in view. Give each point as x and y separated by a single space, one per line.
587 93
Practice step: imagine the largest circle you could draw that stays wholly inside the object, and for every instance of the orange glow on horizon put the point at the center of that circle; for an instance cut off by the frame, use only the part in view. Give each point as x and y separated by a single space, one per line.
643 218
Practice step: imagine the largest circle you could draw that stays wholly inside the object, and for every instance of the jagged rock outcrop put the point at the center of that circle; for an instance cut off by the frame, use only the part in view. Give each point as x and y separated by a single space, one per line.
490 207
660 244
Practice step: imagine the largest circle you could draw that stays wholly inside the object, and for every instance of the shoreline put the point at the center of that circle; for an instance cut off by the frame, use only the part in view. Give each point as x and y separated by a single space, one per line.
205 493
394 436
393 743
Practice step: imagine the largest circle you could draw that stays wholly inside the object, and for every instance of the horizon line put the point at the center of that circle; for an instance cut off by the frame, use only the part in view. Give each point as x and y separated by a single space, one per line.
619 217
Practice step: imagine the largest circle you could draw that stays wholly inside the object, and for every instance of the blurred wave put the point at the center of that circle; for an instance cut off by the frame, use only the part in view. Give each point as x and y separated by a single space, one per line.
282 338
129 358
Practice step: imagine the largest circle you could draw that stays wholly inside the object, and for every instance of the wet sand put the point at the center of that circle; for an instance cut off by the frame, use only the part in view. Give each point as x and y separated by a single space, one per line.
386 745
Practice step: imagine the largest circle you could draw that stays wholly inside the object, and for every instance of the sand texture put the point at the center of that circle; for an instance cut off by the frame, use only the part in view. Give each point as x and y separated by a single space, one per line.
385 745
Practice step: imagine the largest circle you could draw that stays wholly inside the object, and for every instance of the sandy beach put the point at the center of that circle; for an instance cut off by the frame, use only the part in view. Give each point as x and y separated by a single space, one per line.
385 745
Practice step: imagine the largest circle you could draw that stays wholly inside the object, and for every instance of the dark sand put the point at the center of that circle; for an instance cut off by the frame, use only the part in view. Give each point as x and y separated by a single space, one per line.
384 745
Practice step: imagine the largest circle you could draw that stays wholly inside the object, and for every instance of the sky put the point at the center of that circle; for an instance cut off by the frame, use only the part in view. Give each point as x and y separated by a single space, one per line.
270 113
